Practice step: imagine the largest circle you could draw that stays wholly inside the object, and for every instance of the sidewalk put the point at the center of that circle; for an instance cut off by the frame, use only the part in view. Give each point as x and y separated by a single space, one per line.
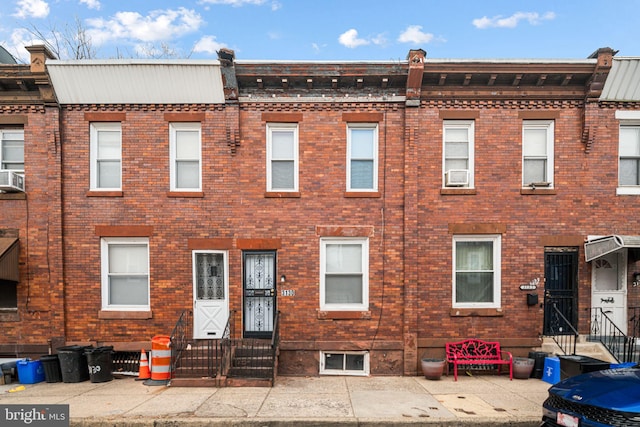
482 400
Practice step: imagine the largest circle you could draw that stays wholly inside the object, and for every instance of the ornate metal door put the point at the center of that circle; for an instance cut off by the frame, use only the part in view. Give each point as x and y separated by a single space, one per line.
259 293
210 290
560 286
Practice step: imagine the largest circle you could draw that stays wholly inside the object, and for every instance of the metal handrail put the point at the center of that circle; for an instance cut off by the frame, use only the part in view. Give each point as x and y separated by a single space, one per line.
562 331
180 338
605 331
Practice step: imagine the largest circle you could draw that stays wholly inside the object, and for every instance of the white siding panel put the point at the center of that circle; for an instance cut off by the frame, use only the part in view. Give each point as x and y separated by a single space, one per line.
623 82
100 82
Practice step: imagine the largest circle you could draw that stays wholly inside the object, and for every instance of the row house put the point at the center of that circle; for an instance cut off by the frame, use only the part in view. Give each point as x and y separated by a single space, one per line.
366 212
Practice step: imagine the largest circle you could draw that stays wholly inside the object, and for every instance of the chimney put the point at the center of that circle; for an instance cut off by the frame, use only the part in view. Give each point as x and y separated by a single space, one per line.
39 55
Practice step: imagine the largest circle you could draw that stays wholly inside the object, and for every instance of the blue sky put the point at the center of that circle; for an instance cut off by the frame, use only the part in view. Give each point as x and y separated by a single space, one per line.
320 30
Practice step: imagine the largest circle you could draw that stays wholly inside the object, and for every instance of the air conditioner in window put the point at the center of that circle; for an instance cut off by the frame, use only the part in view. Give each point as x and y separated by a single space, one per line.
11 181
456 178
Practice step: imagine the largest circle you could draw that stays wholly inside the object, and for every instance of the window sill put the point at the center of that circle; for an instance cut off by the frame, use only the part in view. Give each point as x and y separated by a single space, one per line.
538 191
13 196
627 191
344 315
93 193
282 194
133 315
362 194
9 315
457 191
186 194
476 312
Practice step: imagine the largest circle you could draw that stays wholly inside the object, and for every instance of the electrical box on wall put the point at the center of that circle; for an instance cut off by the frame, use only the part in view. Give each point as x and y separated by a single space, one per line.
532 299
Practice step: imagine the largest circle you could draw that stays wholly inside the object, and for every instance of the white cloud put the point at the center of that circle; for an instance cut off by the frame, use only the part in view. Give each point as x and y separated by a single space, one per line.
92 4
414 34
534 18
235 3
350 39
18 40
32 9
208 44
157 26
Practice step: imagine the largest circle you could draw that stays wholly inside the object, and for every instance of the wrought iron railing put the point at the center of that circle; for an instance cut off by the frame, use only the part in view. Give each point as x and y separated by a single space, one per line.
605 331
634 322
180 337
562 331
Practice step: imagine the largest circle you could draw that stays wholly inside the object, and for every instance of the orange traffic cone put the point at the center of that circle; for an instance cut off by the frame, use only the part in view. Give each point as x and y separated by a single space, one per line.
143 372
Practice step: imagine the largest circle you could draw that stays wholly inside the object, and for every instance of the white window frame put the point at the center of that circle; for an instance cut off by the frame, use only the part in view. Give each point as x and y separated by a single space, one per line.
496 239
364 242
95 128
282 127
359 126
3 161
365 369
626 118
549 127
105 243
469 125
174 128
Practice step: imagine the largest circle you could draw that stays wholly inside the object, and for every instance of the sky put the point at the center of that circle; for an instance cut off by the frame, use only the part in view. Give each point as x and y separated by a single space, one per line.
325 30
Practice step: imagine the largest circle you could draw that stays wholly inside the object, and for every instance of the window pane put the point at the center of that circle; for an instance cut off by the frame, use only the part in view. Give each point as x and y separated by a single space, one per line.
355 362
282 145
535 142
108 174
474 287
362 143
629 172
187 174
333 361
455 164
210 276
12 151
8 294
187 144
456 149
361 174
629 141
456 135
535 171
108 145
343 289
128 259
474 256
282 175
344 258
128 290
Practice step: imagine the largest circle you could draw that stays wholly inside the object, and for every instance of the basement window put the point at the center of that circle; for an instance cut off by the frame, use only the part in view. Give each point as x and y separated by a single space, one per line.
344 363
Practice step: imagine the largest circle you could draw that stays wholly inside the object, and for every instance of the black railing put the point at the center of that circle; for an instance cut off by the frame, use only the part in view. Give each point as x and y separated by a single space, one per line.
562 331
605 331
180 336
634 322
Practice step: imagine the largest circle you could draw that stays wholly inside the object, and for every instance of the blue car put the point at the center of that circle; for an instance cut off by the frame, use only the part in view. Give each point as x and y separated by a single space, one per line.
596 399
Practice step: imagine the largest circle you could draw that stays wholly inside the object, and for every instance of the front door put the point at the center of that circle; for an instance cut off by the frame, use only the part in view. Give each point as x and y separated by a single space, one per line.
210 289
609 290
259 293
560 289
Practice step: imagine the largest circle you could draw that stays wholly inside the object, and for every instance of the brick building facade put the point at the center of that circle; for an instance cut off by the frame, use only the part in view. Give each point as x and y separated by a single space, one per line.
365 202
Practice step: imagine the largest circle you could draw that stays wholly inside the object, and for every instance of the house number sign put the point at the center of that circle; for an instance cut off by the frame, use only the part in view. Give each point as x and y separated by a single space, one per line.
287 292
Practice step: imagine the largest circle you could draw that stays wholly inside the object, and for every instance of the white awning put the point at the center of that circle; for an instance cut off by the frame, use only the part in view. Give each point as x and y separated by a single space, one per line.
595 248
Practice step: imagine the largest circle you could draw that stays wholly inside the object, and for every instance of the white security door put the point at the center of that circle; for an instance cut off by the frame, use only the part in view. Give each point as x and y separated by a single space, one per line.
210 290
609 291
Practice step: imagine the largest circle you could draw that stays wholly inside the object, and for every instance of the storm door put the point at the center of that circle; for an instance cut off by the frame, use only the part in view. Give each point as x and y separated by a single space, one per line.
609 291
259 293
210 290
560 290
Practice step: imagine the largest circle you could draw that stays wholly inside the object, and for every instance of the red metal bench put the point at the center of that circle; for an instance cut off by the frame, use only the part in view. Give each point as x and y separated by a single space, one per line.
477 352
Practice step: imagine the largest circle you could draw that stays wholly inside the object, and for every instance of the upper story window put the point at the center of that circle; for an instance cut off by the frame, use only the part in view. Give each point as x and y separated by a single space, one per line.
282 157
106 156
476 271
125 273
12 149
362 157
185 154
537 153
629 152
344 274
458 153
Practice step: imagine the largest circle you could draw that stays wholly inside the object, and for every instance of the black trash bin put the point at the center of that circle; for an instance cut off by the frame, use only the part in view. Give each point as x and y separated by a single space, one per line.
51 365
100 364
73 363
538 365
575 365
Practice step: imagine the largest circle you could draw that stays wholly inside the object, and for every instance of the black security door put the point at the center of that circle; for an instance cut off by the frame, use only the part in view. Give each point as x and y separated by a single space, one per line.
259 293
560 289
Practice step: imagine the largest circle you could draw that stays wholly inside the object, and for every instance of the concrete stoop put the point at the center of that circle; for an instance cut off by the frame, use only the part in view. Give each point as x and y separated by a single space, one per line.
583 348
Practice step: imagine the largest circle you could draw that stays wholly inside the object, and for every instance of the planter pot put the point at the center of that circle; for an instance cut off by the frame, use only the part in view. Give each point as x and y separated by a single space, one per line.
522 367
432 368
